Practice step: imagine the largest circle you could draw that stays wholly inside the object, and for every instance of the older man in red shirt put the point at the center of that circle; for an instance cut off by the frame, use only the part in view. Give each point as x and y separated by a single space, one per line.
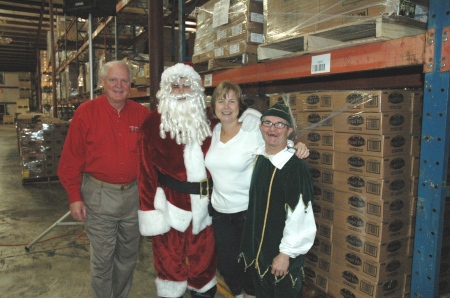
98 169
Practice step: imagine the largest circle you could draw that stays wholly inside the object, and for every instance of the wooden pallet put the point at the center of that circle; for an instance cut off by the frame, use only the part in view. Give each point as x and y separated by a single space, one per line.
226 62
367 31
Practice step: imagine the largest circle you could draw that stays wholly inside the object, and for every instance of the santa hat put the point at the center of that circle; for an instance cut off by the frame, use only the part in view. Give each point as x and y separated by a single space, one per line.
181 70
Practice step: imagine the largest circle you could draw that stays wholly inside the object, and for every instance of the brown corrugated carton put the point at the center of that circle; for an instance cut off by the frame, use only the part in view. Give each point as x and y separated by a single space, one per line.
322 245
345 282
321 158
317 139
375 250
373 145
318 261
379 230
372 166
323 192
384 208
373 123
321 175
320 101
323 211
373 187
318 277
315 120
377 271
372 100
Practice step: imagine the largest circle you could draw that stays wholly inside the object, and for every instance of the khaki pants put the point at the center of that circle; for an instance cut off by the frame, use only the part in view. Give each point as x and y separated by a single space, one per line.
113 231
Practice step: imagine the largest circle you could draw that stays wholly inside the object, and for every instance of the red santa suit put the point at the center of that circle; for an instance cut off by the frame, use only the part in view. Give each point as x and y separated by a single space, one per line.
182 236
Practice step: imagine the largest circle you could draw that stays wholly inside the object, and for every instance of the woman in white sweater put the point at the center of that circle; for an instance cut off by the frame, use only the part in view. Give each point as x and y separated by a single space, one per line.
230 162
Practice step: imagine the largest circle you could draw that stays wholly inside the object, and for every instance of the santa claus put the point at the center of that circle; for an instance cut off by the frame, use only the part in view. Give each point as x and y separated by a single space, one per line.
174 186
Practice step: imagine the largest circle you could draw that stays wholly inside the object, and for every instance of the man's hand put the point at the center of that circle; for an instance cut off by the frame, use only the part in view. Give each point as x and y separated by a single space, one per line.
250 119
280 264
302 150
78 211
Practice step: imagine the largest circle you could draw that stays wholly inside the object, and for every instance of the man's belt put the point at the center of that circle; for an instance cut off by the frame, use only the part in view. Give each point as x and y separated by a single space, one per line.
111 185
202 188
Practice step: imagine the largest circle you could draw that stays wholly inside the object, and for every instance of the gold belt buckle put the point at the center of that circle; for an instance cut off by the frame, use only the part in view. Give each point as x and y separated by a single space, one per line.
124 186
204 189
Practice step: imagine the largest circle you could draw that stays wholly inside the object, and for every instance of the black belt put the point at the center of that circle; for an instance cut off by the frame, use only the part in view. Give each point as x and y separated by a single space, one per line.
202 188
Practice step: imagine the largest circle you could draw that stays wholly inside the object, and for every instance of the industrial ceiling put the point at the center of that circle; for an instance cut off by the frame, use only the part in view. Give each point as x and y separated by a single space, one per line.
24 26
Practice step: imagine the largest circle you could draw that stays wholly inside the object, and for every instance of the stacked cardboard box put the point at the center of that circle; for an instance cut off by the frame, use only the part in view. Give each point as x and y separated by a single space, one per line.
40 146
364 150
228 32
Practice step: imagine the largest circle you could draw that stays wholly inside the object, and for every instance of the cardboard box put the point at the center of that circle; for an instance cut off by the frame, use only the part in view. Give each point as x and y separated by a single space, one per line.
325 229
417 103
285 19
415 163
323 211
372 145
319 101
8 119
318 261
380 230
373 123
416 125
318 278
317 139
321 158
384 208
315 120
323 246
285 99
373 166
323 192
376 271
415 145
373 100
373 187
321 175
347 283
369 248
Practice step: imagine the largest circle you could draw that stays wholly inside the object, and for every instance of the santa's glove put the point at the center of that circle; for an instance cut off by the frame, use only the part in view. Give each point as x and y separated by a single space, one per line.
250 119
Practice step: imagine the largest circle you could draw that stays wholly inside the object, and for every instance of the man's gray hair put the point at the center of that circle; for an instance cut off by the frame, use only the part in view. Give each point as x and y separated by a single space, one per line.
108 65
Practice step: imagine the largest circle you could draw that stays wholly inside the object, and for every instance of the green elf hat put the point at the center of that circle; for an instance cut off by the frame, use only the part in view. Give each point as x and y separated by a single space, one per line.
278 110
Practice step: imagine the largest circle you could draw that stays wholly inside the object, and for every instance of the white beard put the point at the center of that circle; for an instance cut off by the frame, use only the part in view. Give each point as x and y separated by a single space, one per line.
185 120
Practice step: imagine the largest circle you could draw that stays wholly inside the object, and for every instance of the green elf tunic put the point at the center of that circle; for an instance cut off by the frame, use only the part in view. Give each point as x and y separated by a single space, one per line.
279 216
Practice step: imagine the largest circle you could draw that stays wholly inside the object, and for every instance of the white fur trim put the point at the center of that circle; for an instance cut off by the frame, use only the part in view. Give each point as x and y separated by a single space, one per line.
200 215
181 70
194 162
168 288
196 171
206 287
175 217
152 223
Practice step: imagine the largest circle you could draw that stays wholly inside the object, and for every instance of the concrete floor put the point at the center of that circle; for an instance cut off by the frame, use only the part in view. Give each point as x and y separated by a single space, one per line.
58 265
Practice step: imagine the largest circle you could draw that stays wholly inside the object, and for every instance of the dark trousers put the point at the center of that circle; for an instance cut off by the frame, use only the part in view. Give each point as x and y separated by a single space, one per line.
228 230
268 287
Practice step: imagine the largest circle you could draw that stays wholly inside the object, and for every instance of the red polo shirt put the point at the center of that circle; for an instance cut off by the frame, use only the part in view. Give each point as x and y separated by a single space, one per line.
103 143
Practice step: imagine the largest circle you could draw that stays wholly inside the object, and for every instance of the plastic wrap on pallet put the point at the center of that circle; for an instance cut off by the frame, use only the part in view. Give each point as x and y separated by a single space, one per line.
219 26
284 19
40 146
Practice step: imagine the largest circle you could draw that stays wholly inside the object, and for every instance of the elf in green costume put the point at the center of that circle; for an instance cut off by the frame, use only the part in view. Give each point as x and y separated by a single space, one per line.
280 227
